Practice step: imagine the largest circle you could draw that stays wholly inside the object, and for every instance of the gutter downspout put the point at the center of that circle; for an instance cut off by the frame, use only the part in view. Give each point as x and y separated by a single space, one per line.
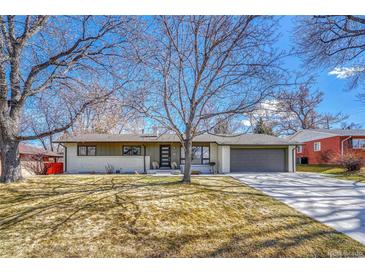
342 142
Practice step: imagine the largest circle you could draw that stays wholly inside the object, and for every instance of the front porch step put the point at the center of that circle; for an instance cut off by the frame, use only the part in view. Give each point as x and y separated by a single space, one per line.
164 171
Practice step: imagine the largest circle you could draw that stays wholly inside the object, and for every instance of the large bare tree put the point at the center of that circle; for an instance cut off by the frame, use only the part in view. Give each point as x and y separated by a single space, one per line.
334 42
205 68
106 115
298 109
56 60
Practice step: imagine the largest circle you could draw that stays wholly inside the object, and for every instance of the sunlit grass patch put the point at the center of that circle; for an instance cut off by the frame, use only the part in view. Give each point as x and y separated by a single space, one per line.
146 216
336 171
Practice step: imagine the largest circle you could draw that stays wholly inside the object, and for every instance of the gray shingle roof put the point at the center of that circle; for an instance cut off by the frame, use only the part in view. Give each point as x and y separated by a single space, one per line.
315 134
244 139
343 132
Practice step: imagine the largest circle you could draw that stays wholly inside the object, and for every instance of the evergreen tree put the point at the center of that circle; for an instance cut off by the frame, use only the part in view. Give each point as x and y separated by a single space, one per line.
262 128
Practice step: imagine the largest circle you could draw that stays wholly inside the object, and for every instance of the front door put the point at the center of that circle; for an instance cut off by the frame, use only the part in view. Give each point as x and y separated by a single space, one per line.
165 156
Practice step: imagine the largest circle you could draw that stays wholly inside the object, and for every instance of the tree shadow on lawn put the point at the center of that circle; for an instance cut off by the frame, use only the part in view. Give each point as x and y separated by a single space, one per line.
63 199
127 200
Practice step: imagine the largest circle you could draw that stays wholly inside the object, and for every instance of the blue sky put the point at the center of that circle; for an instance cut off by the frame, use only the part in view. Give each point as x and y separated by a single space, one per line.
336 97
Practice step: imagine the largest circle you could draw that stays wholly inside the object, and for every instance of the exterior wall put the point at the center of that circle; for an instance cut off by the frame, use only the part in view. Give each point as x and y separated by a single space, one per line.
204 169
153 150
224 153
110 149
91 164
291 159
330 147
214 156
175 153
106 151
348 145
220 154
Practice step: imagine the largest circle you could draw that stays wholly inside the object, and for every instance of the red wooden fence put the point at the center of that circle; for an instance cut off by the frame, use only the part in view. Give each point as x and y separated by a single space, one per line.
54 168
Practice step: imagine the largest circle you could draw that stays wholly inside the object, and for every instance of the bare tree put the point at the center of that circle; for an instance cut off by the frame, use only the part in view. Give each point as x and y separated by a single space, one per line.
108 116
202 68
334 42
104 116
54 59
352 125
35 164
296 110
223 126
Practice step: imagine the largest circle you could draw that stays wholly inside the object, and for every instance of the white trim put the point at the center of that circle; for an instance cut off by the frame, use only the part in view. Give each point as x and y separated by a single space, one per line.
352 144
291 165
300 149
224 156
319 146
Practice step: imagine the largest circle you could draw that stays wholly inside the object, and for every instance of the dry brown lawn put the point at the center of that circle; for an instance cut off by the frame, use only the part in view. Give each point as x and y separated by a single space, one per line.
144 216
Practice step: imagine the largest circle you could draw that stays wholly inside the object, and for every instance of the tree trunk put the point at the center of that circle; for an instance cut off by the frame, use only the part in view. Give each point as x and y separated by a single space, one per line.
187 168
10 161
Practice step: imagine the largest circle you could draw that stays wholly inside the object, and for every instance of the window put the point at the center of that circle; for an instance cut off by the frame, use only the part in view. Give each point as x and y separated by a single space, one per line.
317 146
199 155
86 150
205 155
299 149
131 150
91 151
358 143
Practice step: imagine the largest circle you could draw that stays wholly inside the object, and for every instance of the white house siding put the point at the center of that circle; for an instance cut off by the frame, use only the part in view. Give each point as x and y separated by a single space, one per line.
224 153
220 154
203 169
291 159
97 164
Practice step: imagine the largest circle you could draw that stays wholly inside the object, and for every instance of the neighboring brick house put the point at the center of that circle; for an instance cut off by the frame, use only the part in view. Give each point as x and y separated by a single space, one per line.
319 146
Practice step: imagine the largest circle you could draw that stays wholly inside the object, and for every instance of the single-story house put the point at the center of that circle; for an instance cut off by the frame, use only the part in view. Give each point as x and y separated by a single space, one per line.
29 154
124 153
321 146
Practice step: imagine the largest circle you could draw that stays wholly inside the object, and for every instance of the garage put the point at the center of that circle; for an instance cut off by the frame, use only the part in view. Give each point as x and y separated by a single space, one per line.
258 160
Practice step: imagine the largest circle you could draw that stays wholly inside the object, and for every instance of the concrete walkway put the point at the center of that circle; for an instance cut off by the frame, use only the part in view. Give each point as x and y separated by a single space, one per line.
337 203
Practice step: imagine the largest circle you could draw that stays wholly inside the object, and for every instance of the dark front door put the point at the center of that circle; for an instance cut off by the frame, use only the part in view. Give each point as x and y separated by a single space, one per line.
165 156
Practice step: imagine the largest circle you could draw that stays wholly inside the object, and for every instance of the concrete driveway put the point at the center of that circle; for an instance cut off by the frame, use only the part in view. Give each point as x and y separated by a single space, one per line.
337 203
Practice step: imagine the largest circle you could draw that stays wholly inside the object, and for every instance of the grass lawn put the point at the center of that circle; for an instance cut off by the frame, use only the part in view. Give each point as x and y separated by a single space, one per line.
144 216
334 170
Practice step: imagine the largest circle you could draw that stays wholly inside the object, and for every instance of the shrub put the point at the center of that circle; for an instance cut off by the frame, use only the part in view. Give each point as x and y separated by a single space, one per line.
109 169
174 165
351 161
155 165
35 164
